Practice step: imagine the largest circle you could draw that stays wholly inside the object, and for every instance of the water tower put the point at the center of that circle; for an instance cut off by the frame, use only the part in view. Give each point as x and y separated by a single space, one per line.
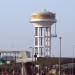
43 22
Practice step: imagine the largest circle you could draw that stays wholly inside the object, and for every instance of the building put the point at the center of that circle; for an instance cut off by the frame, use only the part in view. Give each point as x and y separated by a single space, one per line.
43 21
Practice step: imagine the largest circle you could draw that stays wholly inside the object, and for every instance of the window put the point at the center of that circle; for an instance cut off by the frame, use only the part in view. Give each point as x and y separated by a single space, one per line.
41 40
41 31
41 52
36 50
36 41
36 31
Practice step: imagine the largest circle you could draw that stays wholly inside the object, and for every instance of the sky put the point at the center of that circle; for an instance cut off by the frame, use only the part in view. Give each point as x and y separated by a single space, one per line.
17 33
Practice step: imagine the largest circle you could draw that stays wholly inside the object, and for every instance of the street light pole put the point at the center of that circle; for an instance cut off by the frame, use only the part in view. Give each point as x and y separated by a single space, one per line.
60 58
73 60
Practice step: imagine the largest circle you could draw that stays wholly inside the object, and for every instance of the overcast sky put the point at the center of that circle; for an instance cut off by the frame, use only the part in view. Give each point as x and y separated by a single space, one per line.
16 33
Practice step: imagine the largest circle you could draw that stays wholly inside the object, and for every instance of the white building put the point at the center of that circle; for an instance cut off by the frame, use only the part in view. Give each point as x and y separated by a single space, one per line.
43 22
